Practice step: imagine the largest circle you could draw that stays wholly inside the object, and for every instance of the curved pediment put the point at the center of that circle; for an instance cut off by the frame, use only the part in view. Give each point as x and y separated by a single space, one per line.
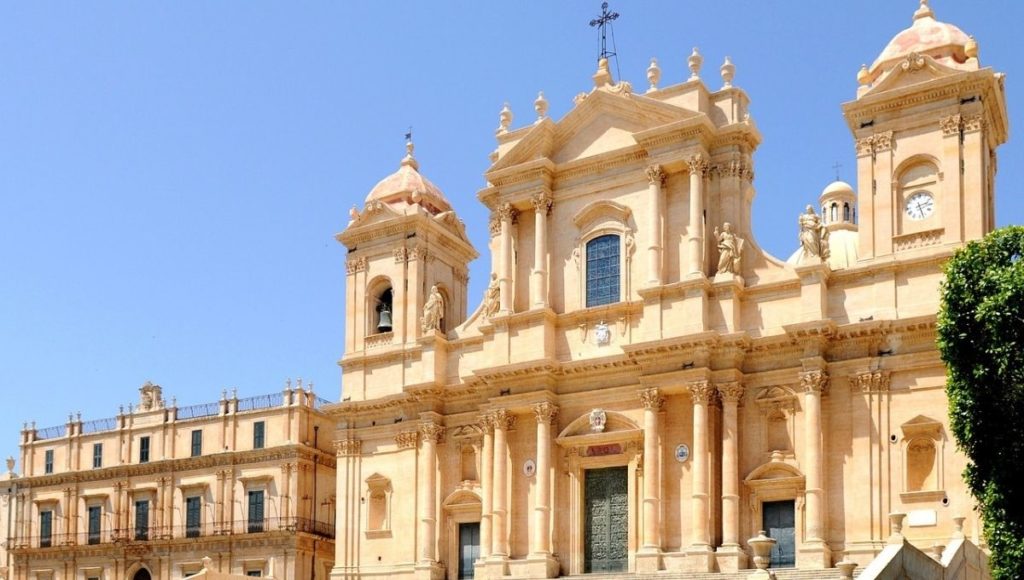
462 498
615 425
774 469
603 208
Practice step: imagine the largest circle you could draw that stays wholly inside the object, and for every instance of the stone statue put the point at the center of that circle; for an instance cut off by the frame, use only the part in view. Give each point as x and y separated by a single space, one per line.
813 236
492 297
730 250
433 311
150 397
10 464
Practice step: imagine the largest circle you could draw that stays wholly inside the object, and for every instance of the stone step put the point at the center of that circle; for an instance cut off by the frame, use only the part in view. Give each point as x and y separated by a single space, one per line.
780 574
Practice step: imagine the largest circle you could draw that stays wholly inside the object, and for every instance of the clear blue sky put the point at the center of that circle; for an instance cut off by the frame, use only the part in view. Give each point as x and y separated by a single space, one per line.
172 174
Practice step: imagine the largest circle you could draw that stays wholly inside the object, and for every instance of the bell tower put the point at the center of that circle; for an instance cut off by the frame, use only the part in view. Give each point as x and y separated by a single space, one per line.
927 121
407 274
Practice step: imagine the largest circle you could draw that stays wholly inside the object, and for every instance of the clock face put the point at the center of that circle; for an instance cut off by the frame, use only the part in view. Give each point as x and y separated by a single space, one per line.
920 205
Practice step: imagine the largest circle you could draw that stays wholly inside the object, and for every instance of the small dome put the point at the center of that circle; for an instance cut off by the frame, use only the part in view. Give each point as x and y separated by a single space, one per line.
837 189
406 187
939 40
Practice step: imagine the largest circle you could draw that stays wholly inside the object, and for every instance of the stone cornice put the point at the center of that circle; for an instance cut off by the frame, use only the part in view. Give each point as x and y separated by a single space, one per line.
167 466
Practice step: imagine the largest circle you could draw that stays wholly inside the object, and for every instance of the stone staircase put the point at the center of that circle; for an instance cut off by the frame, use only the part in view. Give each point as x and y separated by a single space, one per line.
780 574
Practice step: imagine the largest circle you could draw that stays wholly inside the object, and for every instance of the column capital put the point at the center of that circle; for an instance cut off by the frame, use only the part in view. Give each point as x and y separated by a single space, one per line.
503 420
651 398
702 392
407 439
494 225
731 392
871 381
655 175
815 381
545 412
431 432
505 212
951 125
486 423
698 164
347 447
541 202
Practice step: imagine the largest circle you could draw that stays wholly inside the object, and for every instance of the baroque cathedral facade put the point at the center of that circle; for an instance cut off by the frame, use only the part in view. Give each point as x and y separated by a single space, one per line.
642 387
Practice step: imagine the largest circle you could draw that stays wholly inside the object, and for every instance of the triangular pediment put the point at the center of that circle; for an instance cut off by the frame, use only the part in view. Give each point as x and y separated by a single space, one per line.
603 121
916 69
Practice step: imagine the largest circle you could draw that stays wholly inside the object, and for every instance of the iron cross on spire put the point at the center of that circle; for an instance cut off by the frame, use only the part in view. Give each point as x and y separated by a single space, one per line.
602 23
836 167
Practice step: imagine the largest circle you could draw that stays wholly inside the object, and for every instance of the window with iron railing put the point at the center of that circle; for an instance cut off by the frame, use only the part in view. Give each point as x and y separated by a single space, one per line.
95 513
45 529
193 516
256 523
142 520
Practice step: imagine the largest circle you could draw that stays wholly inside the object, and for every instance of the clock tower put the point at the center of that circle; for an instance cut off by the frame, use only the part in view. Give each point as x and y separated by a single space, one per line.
927 121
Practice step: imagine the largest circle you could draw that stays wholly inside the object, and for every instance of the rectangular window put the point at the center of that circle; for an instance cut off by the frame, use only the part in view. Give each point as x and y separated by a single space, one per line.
193 516
197 443
95 512
97 455
603 271
45 529
48 461
143 449
254 573
259 429
255 511
142 520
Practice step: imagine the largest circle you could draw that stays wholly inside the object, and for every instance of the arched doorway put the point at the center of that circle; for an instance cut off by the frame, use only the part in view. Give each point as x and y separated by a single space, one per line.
142 574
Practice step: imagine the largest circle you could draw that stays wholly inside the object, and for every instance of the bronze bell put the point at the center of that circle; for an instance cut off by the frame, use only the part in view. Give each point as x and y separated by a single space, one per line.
384 324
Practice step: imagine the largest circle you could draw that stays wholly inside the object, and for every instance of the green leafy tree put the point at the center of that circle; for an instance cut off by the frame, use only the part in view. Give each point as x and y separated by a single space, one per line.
981 339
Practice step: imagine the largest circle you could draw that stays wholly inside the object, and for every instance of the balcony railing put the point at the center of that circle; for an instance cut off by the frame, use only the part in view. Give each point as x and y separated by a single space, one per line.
260 402
197 411
99 425
52 432
163 533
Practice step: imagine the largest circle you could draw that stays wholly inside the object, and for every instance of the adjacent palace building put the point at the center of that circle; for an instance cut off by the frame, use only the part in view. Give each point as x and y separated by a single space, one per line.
641 388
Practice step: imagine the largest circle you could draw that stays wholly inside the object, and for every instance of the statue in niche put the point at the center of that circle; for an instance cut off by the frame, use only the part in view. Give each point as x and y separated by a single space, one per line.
813 236
492 297
730 250
433 311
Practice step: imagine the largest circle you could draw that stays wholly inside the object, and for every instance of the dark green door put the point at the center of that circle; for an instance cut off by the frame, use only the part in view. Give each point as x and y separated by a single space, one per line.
606 514
469 548
779 517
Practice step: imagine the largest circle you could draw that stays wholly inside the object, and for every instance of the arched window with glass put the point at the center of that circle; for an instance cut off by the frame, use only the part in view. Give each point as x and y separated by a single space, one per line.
603 270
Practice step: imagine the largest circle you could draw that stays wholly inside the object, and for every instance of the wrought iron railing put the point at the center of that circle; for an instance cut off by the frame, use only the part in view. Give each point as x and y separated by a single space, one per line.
162 533
260 402
320 402
52 432
198 411
100 425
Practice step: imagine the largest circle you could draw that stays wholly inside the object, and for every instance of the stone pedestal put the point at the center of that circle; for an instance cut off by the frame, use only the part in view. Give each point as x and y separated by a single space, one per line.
648 561
429 571
542 566
728 290
731 558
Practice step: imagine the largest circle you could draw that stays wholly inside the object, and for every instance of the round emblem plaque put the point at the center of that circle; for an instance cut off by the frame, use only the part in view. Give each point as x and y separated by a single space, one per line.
529 468
682 453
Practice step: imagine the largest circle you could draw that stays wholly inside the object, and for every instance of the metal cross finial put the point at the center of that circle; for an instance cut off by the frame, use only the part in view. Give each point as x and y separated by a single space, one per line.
602 22
837 166
408 136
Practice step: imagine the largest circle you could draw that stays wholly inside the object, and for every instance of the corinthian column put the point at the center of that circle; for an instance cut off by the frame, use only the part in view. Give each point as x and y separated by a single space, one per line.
428 492
486 484
651 542
503 421
539 281
730 393
814 384
655 215
698 169
546 413
703 394
505 214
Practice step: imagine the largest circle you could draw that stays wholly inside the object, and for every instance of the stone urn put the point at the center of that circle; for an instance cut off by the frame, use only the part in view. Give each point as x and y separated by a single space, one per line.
762 546
846 569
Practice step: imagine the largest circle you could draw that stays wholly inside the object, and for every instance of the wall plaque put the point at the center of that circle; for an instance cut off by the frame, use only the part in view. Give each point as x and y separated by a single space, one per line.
529 468
682 453
599 450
